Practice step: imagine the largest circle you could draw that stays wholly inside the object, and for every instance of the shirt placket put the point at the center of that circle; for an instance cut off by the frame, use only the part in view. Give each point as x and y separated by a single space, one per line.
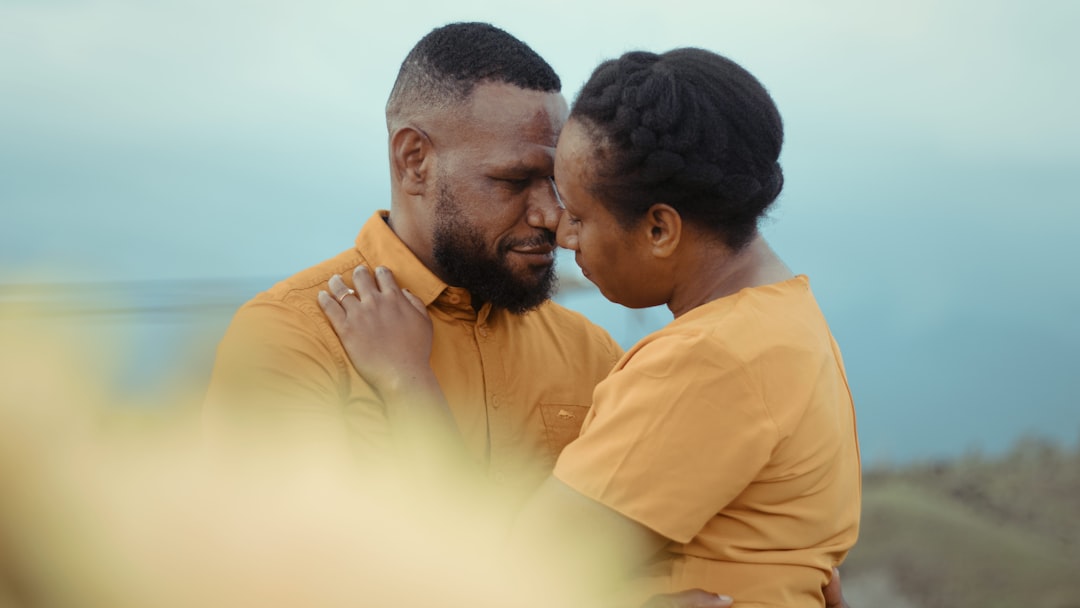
499 425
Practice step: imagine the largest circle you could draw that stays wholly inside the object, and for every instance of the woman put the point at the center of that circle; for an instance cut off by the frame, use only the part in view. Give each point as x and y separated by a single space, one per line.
721 451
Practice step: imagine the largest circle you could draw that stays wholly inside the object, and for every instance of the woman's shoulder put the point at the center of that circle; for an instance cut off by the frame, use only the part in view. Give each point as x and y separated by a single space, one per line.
768 321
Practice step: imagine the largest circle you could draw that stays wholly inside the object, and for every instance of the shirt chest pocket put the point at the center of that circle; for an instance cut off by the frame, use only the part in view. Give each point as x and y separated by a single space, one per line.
562 424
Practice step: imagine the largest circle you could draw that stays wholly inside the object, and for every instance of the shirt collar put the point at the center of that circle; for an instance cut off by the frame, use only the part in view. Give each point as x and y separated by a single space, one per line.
379 246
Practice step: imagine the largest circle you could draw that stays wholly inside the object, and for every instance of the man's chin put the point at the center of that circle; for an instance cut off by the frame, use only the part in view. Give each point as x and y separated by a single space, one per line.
533 287
539 279
530 269
510 284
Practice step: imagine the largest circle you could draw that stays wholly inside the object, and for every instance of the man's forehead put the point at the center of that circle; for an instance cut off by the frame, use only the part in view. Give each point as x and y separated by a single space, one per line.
505 108
520 161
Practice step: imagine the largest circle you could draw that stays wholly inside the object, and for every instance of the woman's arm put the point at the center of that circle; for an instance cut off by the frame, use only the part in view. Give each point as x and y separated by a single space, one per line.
566 536
387 334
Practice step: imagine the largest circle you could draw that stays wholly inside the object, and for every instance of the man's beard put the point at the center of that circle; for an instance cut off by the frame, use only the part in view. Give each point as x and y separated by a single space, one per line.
462 254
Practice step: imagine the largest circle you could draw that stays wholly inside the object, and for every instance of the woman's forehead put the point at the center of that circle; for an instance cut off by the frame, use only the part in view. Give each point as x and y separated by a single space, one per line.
575 148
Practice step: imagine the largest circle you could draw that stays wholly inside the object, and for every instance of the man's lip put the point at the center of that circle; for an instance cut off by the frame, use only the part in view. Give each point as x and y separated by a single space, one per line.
539 250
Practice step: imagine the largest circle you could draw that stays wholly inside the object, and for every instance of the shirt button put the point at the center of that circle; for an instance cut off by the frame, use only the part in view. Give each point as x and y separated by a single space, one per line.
455 299
483 331
495 403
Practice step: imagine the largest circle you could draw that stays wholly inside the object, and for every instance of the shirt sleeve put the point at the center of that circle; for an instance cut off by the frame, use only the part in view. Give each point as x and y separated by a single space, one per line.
675 435
277 372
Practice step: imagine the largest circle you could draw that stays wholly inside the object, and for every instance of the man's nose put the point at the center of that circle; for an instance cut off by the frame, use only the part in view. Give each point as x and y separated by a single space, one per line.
544 208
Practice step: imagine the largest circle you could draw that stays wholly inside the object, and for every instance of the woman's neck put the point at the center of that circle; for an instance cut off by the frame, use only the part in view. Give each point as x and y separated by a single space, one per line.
711 274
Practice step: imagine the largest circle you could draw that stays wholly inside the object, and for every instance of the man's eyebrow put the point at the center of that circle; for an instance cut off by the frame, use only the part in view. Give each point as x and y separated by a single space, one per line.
520 168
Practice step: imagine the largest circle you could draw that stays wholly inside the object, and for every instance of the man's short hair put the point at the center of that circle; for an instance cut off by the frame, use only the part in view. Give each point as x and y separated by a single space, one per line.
444 67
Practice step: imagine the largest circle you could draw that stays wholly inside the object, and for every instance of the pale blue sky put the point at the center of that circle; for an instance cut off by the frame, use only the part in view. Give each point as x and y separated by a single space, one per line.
931 160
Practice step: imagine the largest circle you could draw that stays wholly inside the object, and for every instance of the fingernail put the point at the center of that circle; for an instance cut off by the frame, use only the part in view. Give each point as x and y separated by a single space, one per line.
724 598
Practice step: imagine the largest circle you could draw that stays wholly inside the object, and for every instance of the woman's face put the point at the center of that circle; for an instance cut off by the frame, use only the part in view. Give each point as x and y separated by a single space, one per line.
615 258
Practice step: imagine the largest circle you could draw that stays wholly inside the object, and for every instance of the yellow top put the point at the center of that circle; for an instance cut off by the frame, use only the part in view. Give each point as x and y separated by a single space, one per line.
518 385
731 432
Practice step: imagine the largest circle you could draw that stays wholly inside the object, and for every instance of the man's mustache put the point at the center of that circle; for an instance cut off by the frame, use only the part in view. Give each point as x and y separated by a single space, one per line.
540 239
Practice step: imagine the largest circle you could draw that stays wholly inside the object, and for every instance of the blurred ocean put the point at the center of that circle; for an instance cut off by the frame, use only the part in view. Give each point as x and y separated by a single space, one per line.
941 391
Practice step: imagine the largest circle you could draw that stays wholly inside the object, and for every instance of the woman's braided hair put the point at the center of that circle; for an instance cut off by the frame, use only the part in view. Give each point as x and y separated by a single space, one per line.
688 128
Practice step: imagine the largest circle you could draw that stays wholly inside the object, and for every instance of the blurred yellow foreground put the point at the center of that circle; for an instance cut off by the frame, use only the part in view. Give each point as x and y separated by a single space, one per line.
113 505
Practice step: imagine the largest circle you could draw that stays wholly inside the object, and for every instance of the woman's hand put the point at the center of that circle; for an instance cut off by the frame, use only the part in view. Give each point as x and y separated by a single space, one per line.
385 330
388 336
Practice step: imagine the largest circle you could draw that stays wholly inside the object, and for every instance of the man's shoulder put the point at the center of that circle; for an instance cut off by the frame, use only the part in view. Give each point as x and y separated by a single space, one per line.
282 332
300 289
289 310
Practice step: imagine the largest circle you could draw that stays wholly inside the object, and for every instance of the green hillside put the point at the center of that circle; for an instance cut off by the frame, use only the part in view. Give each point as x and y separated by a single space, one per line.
974 532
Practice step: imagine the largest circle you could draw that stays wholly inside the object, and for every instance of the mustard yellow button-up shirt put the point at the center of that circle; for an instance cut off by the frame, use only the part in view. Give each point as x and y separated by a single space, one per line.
518 385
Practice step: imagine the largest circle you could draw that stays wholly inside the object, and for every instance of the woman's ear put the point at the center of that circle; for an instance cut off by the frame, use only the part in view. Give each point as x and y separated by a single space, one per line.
411 157
664 226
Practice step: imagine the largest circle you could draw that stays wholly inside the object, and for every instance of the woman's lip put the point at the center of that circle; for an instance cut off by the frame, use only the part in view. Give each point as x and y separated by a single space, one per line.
584 271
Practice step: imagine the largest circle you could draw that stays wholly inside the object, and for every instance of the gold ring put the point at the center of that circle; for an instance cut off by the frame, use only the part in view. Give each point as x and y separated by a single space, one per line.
345 295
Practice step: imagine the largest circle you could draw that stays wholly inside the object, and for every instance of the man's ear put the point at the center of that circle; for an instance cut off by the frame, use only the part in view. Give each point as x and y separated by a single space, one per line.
411 158
663 228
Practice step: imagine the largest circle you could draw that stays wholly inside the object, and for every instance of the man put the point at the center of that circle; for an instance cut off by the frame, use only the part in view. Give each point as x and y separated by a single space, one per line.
473 119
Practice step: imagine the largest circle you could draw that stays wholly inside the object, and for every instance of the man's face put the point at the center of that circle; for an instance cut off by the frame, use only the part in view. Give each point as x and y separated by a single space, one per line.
495 206
485 269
